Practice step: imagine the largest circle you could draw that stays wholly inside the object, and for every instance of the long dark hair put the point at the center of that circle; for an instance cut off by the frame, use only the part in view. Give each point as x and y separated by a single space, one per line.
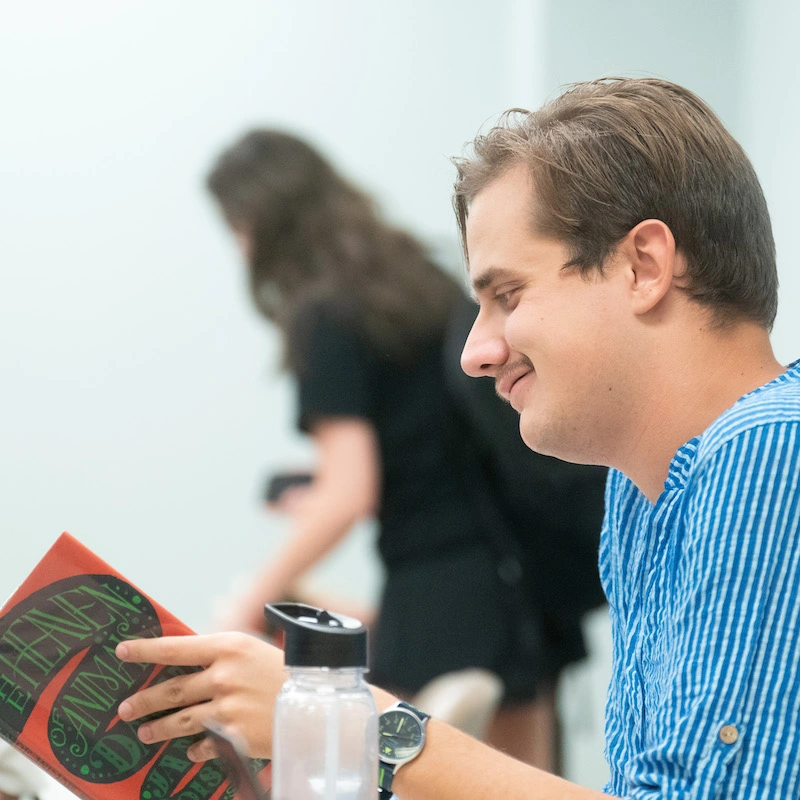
316 240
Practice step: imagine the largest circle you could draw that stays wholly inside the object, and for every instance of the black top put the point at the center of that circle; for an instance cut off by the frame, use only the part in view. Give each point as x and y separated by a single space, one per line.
425 505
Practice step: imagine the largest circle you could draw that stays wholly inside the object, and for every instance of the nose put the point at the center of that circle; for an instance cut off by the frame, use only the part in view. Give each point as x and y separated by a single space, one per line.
485 349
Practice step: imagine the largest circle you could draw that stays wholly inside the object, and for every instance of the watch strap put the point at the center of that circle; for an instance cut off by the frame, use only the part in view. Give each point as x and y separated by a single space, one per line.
385 778
423 717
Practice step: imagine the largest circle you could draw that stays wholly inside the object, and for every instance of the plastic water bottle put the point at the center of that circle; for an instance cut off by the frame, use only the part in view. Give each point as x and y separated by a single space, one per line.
325 737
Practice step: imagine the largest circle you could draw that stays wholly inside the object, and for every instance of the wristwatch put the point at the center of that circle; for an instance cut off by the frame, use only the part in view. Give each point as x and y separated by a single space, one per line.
401 737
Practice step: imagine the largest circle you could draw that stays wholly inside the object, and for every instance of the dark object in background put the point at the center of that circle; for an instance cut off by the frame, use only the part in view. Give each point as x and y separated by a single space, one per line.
278 483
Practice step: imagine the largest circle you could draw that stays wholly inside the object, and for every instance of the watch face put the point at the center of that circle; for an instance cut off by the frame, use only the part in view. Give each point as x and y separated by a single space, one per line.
401 736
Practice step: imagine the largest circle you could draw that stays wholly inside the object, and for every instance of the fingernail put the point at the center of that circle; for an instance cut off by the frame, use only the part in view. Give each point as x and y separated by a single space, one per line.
125 711
122 651
190 753
144 733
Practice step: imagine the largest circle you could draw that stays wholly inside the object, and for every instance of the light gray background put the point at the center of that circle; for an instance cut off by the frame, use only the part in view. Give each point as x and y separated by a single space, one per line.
140 408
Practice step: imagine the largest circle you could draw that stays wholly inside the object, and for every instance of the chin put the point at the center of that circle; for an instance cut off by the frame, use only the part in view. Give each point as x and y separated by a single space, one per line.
547 438
534 434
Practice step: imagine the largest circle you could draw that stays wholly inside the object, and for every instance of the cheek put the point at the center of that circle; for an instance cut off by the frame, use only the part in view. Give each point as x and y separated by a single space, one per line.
525 329
568 332
547 337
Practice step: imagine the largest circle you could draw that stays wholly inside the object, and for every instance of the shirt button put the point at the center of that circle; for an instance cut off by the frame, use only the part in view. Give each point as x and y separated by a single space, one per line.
728 733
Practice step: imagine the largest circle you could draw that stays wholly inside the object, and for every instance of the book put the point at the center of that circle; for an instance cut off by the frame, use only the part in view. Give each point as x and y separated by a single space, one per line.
61 684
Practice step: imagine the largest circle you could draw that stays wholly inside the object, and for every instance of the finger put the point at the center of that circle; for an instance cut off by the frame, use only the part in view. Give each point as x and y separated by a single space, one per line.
204 750
184 722
184 651
177 692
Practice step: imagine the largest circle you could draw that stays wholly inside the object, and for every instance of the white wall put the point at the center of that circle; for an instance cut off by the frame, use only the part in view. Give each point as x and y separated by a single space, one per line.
695 44
770 125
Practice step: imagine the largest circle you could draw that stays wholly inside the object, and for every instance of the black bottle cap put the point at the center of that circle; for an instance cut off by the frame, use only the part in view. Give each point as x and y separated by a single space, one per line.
318 638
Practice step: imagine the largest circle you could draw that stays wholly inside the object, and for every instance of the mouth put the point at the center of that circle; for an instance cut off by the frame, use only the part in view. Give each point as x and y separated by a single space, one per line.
513 383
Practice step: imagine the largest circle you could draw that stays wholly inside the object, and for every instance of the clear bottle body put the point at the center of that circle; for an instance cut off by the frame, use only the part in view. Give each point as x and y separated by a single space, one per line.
325 737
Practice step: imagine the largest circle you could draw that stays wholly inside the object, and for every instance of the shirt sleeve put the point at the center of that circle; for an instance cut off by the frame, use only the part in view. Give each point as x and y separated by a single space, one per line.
336 372
724 719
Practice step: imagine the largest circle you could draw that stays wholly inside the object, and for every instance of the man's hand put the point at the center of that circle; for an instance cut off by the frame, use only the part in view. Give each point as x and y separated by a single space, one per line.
237 689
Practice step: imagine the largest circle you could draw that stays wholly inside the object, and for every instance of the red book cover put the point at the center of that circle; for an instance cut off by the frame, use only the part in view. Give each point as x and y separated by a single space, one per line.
61 684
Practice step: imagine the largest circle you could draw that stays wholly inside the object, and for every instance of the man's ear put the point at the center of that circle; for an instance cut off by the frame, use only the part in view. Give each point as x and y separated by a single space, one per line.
649 250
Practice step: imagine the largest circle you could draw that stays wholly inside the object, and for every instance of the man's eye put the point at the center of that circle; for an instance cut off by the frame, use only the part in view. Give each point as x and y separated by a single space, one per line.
505 298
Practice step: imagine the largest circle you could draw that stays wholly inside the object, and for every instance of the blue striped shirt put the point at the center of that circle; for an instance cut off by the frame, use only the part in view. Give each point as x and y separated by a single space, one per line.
704 595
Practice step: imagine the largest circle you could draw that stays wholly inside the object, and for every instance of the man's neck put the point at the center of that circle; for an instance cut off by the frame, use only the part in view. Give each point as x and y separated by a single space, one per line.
688 388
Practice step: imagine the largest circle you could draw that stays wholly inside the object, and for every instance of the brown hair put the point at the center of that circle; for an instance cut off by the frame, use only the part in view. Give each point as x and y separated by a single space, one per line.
607 154
317 241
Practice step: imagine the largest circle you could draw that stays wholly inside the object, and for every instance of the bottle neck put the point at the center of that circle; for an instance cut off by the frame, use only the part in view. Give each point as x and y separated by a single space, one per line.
339 678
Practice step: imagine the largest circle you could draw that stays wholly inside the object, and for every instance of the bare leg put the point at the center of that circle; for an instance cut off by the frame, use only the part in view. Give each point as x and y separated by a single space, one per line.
529 732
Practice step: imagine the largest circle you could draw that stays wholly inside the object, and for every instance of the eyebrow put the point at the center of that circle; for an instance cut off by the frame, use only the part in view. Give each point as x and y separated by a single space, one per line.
492 275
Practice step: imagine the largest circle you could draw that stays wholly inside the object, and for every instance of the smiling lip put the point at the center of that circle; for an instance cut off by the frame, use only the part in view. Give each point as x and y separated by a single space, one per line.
505 386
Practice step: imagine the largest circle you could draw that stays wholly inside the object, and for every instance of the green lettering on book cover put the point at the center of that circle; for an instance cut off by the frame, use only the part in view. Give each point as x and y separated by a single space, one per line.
25 654
117 754
65 627
13 694
85 734
80 618
79 621
78 612
172 767
37 637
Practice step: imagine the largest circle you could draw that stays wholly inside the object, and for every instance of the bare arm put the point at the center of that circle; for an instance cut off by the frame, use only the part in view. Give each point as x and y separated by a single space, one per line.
454 766
345 490
238 686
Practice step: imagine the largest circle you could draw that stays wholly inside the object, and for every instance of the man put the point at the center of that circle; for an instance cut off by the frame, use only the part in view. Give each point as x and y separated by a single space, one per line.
620 248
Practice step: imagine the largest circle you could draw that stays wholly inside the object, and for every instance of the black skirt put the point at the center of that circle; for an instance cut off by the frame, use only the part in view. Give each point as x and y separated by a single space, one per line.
453 612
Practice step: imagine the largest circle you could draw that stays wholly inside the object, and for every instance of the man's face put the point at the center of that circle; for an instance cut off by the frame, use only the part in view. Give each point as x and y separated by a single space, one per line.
555 343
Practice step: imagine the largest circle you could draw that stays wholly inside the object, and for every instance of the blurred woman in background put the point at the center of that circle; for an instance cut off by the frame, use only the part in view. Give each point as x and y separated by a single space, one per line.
363 314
